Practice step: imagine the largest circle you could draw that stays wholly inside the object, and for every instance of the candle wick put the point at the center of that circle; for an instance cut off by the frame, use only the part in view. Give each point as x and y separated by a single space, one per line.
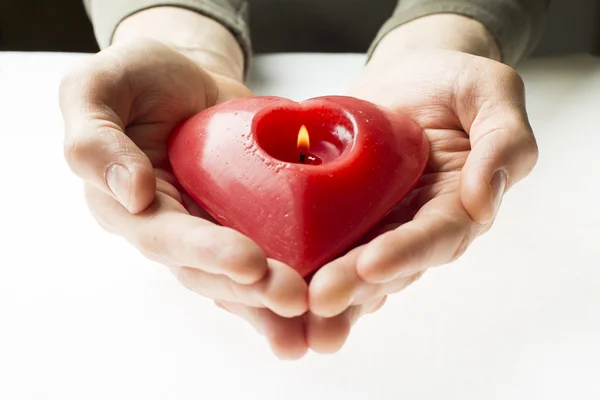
302 158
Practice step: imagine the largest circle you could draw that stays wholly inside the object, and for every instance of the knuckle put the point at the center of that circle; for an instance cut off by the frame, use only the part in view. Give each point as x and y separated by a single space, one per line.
149 245
93 197
422 253
414 278
515 83
76 151
152 235
378 305
525 152
198 246
462 247
531 158
510 76
185 277
532 151
486 228
234 289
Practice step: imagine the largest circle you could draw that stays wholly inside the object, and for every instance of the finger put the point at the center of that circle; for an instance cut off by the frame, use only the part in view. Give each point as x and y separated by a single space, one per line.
504 152
337 286
166 233
286 336
281 290
194 208
96 147
333 287
503 146
328 335
119 88
216 287
440 232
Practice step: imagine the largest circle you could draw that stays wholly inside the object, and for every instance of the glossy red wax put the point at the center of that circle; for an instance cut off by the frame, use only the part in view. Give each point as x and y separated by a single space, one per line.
240 161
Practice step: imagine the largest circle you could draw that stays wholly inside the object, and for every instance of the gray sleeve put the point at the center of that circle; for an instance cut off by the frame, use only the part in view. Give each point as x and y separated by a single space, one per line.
517 25
107 14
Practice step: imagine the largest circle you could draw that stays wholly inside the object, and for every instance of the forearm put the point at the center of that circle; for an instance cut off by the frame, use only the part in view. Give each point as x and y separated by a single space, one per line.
199 37
212 32
516 25
444 31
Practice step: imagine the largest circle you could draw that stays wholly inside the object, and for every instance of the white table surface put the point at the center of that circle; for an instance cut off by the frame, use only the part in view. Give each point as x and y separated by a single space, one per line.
84 316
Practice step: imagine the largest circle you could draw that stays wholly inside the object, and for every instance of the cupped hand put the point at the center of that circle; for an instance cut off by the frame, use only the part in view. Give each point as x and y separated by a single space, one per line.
119 108
473 111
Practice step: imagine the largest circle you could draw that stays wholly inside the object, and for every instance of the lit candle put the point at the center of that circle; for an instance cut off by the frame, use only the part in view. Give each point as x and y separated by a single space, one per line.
305 180
304 147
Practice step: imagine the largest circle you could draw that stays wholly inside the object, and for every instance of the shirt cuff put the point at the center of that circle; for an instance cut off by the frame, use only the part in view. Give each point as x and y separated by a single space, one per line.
107 15
516 25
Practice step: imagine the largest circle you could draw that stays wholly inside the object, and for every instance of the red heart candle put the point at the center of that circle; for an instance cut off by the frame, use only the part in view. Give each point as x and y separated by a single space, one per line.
304 180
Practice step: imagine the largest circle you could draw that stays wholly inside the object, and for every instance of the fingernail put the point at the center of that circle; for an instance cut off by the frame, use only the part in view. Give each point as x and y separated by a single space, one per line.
497 186
117 178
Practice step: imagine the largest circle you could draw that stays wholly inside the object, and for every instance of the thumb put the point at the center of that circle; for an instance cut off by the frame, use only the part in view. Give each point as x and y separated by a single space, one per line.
97 149
503 151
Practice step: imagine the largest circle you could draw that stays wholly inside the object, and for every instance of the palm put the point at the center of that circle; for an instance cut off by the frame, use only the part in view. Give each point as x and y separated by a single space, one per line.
120 108
152 139
435 223
152 121
439 186
427 85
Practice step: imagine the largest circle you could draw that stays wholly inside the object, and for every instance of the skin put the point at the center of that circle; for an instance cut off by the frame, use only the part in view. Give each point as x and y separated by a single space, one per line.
441 70
119 108
473 111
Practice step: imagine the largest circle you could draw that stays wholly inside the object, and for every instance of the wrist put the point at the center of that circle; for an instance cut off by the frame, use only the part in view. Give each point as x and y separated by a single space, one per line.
203 40
439 31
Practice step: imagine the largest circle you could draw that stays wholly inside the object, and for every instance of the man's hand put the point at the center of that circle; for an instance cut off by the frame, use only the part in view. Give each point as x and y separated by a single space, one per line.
119 109
473 111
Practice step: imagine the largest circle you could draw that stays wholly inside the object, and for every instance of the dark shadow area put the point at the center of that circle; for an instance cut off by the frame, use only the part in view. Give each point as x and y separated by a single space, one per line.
42 25
325 26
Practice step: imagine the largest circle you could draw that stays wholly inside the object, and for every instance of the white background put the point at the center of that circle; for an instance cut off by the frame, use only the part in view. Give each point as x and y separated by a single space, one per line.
84 316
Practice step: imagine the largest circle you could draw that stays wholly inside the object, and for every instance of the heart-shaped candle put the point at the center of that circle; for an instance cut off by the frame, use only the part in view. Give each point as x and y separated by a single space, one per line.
304 180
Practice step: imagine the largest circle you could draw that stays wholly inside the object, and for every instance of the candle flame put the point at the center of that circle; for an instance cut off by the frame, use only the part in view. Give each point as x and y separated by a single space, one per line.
303 139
